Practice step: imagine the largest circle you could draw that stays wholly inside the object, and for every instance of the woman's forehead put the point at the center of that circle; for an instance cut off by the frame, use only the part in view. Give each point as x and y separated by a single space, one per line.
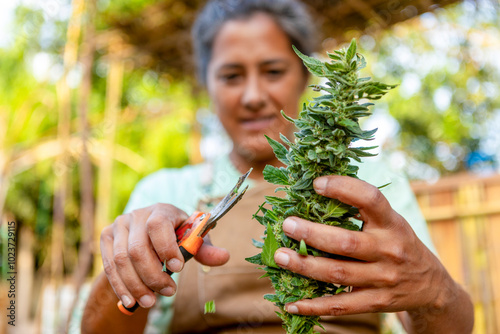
257 38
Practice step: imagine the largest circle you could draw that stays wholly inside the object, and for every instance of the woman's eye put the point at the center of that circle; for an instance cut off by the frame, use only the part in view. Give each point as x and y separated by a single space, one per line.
230 77
275 73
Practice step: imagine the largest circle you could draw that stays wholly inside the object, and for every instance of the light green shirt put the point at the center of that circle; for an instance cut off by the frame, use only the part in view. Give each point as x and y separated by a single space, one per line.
185 187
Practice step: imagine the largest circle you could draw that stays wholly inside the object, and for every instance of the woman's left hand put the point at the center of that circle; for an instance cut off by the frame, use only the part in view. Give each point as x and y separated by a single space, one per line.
391 270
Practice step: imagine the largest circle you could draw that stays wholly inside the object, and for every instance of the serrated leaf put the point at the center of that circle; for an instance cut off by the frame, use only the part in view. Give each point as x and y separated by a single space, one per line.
351 51
279 150
335 208
275 175
314 65
269 248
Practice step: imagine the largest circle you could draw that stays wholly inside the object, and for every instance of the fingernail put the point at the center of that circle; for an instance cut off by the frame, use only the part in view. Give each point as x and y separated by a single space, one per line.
320 184
292 309
281 258
126 301
168 291
174 265
289 226
146 301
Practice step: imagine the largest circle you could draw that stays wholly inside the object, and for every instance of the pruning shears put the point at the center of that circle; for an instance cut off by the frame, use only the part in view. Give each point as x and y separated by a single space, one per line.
192 231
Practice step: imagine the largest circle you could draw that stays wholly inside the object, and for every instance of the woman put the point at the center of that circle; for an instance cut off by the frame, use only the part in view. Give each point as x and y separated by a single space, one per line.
251 73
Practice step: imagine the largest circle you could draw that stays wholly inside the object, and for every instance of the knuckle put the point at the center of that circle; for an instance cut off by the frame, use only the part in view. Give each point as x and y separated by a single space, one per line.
153 224
397 254
391 278
336 309
336 274
109 267
135 251
107 234
300 266
381 303
349 244
120 220
121 259
154 283
374 196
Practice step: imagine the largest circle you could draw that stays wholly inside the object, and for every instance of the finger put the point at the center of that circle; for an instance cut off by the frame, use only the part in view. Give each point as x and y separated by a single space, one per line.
356 302
160 226
146 263
126 269
121 291
344 272
372 205
210 255
331 239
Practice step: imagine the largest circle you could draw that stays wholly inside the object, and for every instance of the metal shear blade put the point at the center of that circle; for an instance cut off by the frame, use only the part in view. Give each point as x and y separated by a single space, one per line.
226 204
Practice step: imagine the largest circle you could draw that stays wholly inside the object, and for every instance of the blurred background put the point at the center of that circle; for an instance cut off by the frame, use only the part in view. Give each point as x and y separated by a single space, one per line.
96 94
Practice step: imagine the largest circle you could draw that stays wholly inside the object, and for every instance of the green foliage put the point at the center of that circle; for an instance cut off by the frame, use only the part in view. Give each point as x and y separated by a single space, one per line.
153 130
326 127
448 103
210 307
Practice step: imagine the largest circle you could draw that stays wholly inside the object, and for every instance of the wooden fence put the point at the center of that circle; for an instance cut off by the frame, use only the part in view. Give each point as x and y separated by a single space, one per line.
463 214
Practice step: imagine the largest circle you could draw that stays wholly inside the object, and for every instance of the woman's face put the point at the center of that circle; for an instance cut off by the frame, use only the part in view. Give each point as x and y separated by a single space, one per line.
253 74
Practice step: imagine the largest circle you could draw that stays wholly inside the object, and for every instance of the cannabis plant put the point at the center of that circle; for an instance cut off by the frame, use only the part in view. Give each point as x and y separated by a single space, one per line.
327 126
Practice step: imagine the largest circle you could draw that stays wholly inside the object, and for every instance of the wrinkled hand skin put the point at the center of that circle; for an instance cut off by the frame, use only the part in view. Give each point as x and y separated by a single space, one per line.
393 270
131 250
134 247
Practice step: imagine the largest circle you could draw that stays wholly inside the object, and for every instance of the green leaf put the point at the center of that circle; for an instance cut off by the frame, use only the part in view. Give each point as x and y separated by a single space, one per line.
350 125
279 150
256 259
270 247
210 307
288 118
335 208
272 298
314 65
303 183
362 151
351 52
257 243
273 200
276 175
302 248
385 185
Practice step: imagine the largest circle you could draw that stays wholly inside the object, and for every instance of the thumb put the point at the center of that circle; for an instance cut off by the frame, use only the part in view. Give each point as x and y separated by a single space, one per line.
210 255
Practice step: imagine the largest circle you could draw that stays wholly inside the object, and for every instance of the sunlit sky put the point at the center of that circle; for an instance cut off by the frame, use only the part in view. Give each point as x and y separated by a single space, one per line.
6 17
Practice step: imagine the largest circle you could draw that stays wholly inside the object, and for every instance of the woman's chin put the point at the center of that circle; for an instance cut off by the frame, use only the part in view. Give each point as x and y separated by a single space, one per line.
259 152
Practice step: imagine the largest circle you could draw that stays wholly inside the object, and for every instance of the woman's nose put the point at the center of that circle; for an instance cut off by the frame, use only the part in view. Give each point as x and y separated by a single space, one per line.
254 95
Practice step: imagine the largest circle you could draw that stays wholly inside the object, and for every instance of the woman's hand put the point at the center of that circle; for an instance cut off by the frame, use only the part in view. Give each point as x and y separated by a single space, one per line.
392 271
134 247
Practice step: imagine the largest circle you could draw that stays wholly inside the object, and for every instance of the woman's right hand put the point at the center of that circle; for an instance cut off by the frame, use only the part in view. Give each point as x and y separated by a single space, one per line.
134 247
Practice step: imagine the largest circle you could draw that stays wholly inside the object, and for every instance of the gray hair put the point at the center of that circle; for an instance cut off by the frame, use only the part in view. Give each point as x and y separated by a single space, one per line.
290 15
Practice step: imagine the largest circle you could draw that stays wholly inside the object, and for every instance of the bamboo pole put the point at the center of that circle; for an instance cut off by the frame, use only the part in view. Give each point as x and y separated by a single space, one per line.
63 162
112 109
86 175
